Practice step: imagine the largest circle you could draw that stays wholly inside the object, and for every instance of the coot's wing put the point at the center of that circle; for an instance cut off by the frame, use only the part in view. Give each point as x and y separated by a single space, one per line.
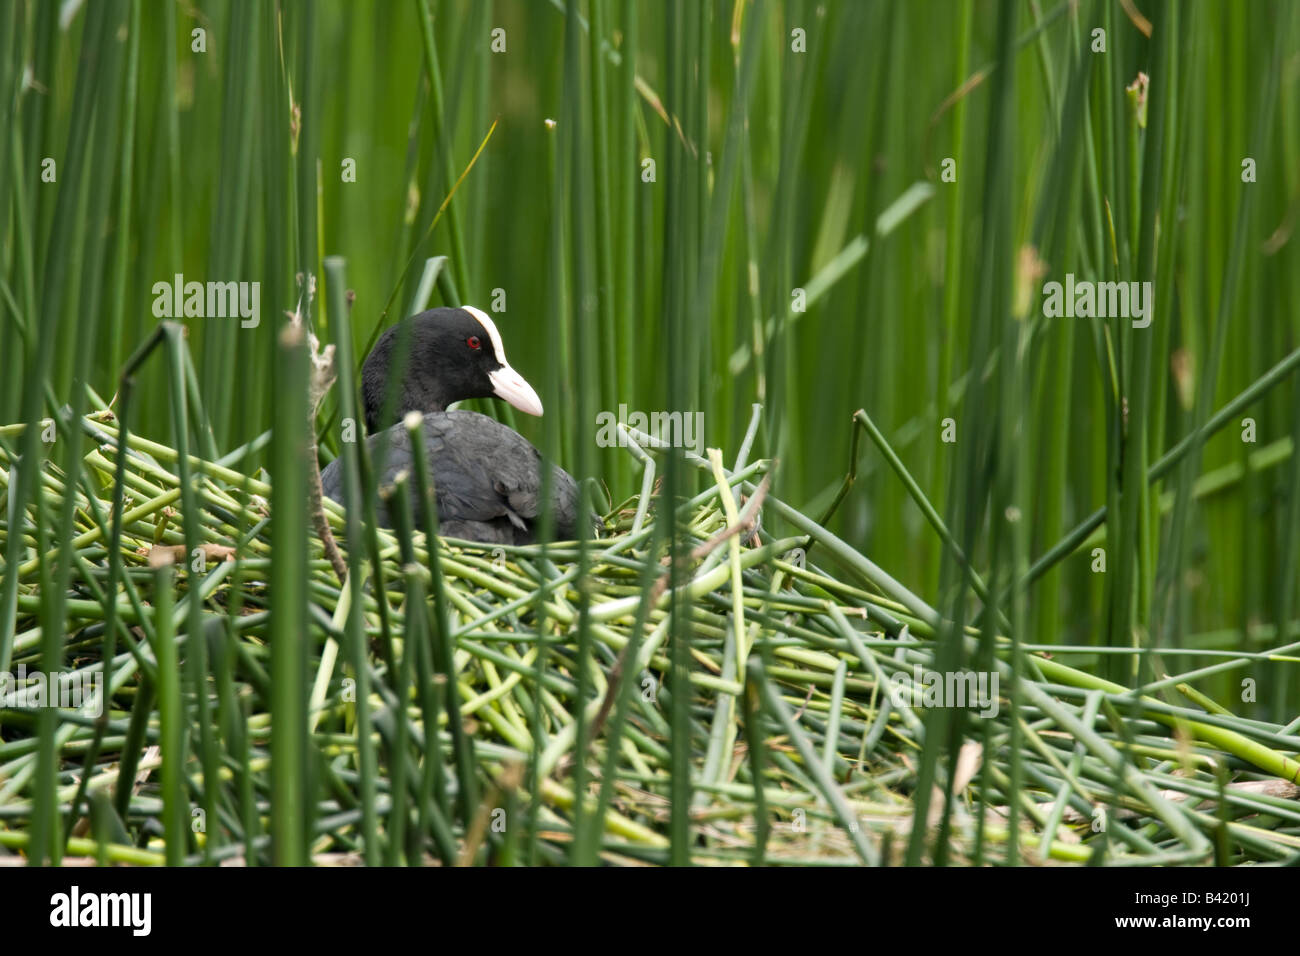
486 477
331 480
331 483
486 472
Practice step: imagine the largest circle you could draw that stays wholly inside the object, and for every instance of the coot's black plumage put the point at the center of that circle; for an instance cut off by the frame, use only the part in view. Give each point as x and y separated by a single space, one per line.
486 476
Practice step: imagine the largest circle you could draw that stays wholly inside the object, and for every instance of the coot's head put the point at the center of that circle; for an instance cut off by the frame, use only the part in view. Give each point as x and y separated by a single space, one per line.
454 354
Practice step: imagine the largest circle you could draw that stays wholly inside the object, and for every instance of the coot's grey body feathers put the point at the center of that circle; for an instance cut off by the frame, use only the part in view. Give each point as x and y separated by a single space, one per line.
486 478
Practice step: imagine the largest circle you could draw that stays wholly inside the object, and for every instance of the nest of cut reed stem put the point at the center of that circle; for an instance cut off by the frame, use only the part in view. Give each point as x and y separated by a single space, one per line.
454 704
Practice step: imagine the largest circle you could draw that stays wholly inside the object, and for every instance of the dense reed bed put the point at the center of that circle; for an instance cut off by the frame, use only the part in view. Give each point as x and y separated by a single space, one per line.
849 214
805 695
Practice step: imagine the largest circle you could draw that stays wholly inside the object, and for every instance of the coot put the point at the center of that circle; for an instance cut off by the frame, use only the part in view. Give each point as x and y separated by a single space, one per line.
486 476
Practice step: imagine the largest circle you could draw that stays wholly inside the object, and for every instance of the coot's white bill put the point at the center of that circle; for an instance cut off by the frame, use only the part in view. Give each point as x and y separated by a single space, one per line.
510 385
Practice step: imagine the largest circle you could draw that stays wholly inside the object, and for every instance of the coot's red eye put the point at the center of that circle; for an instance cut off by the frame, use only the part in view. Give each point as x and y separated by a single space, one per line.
472 341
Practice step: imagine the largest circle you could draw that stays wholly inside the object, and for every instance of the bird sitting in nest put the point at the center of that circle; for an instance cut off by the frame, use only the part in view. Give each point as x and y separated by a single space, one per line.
486 476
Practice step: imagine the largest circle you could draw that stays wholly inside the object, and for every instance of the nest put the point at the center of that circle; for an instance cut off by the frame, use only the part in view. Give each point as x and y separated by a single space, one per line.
716 695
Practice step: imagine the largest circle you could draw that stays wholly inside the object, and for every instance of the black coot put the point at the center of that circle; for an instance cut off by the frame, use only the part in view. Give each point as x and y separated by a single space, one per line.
486 476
